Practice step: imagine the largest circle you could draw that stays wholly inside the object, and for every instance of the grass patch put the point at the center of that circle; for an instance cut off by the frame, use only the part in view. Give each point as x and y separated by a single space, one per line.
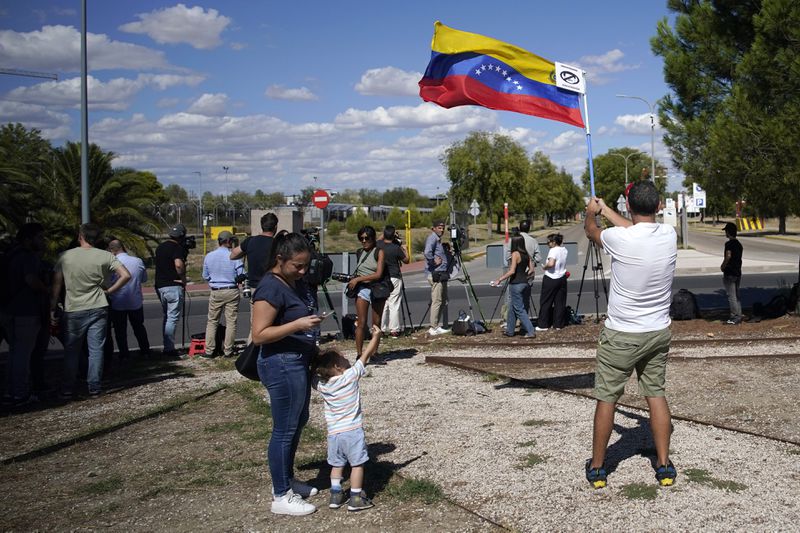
535 422
794 451
416 489
491 377
103 486
698 475
313 435
532 459
527 444
640 491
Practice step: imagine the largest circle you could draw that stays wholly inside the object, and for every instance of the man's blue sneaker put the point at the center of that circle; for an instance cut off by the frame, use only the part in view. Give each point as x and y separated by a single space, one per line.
596 476
666 474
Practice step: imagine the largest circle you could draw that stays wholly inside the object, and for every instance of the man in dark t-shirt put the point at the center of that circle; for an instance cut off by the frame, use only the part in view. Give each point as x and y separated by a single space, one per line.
732 273
257 249
170 280
394 253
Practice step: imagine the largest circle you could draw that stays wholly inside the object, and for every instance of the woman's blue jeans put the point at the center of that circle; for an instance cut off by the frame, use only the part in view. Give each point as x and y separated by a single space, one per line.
517 309
286 377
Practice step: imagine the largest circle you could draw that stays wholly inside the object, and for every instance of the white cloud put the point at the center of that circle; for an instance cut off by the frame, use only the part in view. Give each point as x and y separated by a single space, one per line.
279 92
114 95
422 115
238 46
57 49
389 81
636 124
599 67
167 102
568 141
179 24
52 124
210 104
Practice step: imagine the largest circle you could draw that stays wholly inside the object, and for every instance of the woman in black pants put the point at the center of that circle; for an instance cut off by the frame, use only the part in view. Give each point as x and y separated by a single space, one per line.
553 302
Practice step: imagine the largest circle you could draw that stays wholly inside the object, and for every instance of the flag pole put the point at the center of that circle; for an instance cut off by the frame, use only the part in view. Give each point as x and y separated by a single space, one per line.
588 138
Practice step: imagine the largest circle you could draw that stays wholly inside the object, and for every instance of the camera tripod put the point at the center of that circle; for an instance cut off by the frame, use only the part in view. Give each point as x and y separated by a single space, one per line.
504 293
598 278
466 282
340 333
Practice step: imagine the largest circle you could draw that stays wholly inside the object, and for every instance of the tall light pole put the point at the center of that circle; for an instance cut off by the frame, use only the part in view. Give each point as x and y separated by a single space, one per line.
625 157
652 134
85 215
202 227
226 182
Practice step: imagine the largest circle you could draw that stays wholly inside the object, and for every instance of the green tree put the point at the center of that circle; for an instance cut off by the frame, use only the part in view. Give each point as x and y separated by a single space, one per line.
120 200
487 166
25 159
403 197
263 200
396 218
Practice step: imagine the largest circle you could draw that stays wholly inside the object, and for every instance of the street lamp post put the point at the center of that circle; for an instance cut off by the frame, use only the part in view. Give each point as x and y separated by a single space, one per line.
226 182
652 134
625 157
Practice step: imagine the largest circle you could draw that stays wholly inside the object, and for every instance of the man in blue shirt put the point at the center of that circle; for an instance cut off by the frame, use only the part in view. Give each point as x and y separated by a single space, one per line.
127 304
220 271
436 267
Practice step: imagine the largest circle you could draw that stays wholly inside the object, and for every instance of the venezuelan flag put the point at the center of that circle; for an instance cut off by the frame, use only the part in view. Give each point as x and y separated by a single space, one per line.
470 69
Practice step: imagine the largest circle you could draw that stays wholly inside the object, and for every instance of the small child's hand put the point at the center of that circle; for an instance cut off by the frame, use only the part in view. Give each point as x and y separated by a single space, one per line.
376 331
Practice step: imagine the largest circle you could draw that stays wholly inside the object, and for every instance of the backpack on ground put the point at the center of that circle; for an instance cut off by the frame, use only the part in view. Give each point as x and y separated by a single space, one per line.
684 306
775 308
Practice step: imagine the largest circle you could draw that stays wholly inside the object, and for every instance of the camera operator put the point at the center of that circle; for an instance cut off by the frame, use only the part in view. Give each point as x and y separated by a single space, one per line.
221 273
436 267
170 278
394 253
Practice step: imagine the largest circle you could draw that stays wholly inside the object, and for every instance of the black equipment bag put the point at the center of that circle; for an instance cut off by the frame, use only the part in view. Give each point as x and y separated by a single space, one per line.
684 306
320 269
349 326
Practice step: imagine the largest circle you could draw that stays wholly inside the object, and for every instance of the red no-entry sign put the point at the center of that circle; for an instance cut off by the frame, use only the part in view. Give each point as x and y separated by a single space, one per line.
321 198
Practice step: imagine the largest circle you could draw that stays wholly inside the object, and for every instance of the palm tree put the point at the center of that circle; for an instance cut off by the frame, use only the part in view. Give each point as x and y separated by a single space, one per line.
119 199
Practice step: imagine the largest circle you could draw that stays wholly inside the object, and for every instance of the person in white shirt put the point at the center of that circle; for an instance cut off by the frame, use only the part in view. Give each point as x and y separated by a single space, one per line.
127 304
553 301
636 332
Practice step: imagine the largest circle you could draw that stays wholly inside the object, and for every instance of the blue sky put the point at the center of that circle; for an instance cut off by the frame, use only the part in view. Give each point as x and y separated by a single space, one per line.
282 92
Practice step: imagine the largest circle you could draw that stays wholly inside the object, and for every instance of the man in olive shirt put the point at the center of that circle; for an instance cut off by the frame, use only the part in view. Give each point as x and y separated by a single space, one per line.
82 271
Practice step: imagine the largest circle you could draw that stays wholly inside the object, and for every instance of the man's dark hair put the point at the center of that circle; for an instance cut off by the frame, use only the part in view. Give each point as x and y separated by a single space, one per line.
389 233
91 233
643 198
556 238
525 226
269 222
730 229
29 231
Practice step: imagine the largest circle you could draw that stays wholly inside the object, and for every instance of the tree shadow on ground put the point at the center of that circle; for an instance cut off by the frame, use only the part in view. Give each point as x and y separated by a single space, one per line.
377 474
714 305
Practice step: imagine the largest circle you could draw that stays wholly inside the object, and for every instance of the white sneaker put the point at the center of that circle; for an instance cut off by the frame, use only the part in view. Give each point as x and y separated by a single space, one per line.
432 331
303 489
439 331
291 504
541 329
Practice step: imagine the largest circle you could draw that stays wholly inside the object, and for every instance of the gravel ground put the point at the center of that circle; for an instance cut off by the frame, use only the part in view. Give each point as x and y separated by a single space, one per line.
511 452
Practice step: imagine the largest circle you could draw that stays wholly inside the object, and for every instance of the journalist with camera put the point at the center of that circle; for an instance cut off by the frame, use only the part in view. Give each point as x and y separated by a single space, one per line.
170 278
221 272
436 266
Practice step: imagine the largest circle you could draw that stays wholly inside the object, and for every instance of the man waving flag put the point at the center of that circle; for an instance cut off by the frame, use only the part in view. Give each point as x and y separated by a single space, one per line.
471 69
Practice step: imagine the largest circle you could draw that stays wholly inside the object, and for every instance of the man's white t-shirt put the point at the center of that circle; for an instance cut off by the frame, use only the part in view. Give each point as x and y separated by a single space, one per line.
559 269
642 267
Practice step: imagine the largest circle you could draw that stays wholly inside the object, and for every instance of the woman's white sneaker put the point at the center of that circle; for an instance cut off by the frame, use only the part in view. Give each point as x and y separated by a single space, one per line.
291 504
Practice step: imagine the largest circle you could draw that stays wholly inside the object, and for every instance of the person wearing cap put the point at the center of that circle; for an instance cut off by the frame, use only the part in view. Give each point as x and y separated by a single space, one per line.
436 268
636 333
220 271
170 278
732 273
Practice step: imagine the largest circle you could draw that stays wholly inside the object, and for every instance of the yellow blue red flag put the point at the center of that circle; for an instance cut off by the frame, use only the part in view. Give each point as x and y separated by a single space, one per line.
471 69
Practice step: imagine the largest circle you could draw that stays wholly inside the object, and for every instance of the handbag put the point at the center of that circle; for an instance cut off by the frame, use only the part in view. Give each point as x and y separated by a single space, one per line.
380 290
247 362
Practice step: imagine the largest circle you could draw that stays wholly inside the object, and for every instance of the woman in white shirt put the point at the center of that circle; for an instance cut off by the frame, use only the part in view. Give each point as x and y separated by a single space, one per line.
553 301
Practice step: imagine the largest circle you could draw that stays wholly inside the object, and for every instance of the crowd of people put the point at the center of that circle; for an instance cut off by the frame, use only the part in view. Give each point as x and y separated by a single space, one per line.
96 287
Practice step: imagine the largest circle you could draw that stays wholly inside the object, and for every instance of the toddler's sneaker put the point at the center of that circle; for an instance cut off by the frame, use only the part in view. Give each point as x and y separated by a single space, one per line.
291 503
596 476
359 502
303 489
666 474
337 499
